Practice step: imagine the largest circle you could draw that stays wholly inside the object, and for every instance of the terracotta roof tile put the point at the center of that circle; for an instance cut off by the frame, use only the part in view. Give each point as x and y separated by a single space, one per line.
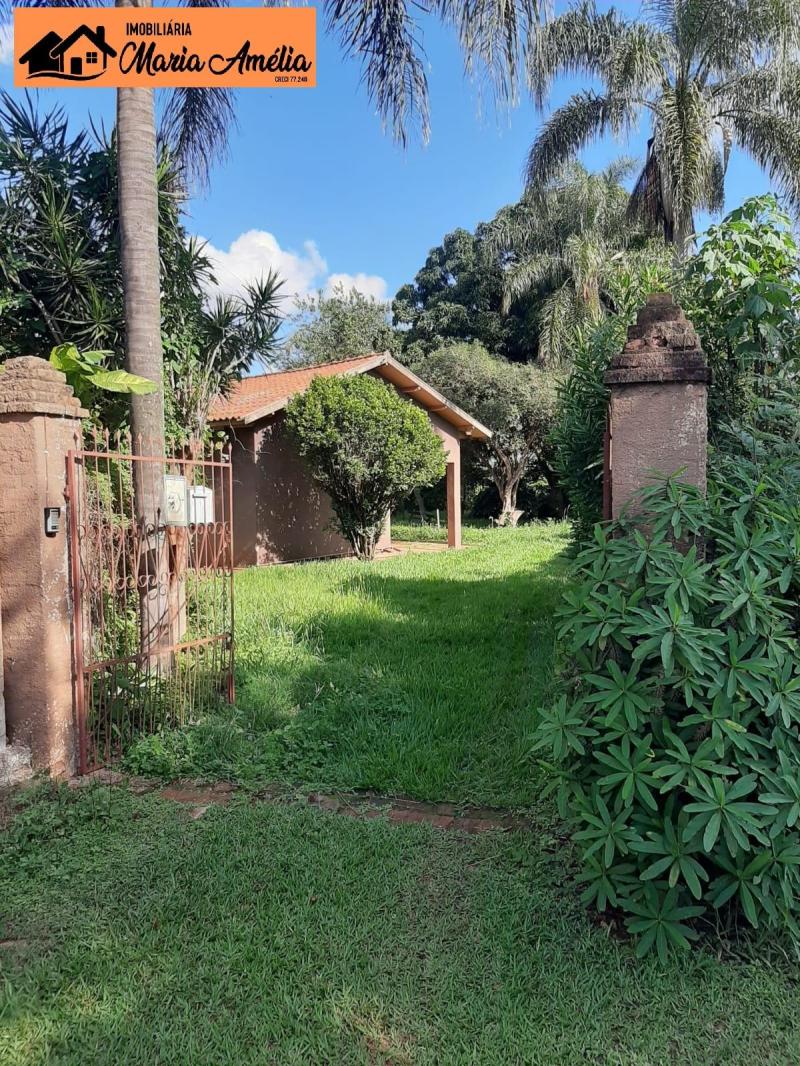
258 397
252 394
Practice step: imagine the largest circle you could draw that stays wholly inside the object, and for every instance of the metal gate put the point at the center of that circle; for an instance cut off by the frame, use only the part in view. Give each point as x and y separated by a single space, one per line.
152 600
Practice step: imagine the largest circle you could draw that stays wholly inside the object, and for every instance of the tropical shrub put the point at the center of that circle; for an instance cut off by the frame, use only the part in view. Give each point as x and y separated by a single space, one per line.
86 373
675 749
367 447
742 295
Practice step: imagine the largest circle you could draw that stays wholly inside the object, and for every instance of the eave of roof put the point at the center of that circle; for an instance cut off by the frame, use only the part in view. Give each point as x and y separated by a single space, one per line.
404 380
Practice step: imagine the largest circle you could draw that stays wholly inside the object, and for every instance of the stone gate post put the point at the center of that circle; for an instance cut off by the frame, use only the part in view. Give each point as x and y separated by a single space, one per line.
39 422
659 390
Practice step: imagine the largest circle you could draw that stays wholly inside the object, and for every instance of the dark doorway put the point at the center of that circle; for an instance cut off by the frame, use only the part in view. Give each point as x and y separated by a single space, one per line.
76 65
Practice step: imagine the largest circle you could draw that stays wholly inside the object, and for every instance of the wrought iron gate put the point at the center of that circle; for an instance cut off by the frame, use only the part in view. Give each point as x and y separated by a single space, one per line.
153 604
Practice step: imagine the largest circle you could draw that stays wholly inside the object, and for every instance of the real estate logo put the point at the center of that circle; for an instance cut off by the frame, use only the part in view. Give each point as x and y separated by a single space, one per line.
83 56
161 47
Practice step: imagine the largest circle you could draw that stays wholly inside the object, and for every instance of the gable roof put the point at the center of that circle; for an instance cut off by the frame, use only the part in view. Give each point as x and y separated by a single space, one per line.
252 399
84 30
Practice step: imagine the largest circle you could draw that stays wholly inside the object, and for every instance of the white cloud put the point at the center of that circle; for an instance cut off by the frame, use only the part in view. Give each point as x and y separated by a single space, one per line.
254 253
368 284
6 44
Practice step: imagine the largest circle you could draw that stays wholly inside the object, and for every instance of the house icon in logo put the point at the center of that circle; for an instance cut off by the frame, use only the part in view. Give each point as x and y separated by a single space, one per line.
80 57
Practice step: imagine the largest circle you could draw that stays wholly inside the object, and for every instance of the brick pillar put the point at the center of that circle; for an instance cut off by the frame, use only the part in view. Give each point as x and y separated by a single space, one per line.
39 422
659 387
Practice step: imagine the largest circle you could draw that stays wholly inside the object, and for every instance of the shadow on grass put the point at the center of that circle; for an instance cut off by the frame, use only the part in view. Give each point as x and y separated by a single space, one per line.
419 676
420 685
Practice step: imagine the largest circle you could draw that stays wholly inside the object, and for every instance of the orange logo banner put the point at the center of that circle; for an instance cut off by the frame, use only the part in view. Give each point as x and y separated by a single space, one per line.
160 47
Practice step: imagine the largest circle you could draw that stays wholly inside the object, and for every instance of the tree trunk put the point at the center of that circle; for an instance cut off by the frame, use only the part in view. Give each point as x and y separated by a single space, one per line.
141 287
141 290
683 246
423 517
508 502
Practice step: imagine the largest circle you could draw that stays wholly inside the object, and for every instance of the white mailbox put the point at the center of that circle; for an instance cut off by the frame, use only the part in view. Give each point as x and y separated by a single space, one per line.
201 505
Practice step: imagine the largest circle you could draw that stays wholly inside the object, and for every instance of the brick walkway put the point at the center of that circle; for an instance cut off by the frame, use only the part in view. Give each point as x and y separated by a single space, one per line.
367 805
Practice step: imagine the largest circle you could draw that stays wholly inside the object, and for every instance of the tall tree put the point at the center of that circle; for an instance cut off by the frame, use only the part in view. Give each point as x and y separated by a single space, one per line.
514 400
457 295
342 324
566 242
709 73
60 269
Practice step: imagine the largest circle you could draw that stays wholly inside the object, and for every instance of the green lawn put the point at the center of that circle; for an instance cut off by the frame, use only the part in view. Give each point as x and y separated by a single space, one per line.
280 936
404 529
417 675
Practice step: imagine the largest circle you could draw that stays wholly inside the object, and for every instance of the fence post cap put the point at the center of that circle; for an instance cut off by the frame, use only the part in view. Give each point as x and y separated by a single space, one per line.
30 385
662 347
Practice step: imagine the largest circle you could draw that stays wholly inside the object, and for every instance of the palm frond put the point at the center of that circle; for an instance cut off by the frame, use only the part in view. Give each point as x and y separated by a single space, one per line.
383 35
773 140
195 125
196 122
625 56
530 273
494 37
683 146
559 317
586 116
619 170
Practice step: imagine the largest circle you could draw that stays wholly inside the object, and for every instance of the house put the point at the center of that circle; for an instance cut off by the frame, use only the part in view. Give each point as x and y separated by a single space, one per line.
280 514
82 55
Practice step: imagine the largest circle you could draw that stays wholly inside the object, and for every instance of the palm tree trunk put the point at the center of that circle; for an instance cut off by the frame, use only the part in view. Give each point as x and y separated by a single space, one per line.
138 216
141 289
682 242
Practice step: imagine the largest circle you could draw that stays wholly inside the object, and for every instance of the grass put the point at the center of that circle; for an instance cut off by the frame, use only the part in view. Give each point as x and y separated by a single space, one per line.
282 935
405 529
417 675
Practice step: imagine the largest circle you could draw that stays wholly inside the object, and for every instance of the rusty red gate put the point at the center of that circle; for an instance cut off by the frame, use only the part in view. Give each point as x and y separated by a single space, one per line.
153 602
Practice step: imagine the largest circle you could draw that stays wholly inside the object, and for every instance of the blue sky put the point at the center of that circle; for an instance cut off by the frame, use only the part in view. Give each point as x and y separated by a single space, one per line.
314 186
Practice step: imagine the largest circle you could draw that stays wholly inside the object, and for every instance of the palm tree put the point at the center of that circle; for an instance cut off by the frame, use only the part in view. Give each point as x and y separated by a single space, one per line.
566 241
710 74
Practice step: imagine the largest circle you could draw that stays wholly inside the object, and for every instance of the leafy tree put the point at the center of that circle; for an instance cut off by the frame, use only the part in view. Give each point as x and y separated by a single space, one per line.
567 243
60 269
515 401
458 296
368 448
346 323
710 73
743 296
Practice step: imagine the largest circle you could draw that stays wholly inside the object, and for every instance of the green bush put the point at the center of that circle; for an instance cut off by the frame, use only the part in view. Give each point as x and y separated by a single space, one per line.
742 294
675 750
367 447
581 421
